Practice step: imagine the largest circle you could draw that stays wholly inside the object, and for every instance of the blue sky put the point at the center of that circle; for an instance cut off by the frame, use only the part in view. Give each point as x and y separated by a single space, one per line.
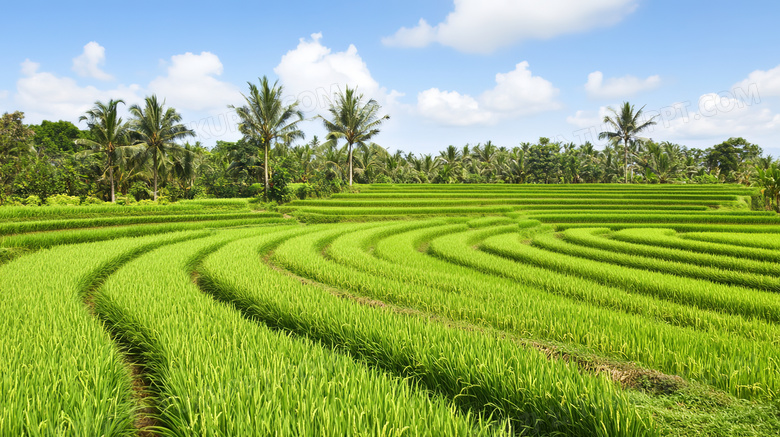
447 72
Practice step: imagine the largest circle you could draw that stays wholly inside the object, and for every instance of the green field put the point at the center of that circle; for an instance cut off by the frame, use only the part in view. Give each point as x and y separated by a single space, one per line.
577 310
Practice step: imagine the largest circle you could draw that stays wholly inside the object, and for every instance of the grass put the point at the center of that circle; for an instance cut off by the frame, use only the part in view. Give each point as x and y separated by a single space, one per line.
214 372
414 310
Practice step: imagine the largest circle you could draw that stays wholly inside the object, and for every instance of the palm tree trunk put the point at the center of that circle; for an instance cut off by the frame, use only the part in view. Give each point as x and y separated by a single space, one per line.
154 162
350 164
265 172
625 156
111 177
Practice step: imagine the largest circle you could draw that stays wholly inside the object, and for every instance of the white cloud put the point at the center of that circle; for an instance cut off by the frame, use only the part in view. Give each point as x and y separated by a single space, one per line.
588 119
516 93
191 84
45 96
519 92
313 73
482 26
452 108
718 115
767 82
88 63
3 94
618 87
416 37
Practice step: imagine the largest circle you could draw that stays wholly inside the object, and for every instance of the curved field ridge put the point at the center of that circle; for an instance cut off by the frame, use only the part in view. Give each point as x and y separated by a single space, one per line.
455 363
217 373
61 374
396 310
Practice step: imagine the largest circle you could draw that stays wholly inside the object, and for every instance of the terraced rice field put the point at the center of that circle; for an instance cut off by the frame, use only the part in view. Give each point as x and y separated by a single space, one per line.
580 310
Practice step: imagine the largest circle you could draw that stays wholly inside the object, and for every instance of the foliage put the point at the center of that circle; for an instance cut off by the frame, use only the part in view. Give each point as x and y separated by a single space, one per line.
626 124
62 199
353 121
155 130
265 120
32 200
769 181
15 148
109 137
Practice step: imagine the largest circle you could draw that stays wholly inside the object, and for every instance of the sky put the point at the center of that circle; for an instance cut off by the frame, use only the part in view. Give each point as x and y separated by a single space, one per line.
447 72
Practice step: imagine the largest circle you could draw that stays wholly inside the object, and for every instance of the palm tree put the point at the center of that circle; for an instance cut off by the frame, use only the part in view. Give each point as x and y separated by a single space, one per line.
353 121
110 136
769 181
266 120
155 130
627 125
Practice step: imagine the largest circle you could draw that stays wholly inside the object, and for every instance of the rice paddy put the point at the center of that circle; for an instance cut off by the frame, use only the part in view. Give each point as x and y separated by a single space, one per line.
578 310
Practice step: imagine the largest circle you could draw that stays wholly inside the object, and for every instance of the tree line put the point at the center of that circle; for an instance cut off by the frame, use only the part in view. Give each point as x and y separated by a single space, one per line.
147 156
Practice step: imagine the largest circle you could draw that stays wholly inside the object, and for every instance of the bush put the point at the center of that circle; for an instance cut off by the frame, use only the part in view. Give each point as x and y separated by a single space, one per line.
62 199
89 200
32 200
125 200
383 179
256 190
140 191
303 191
172 193
279 191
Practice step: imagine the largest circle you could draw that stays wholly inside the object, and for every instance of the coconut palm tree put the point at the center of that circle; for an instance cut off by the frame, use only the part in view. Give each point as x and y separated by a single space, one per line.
155 130
110 136
353 121
627 125
769 181
266 120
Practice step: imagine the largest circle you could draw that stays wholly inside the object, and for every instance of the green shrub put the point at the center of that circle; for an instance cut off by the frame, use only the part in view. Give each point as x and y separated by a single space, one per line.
278 190
125 200
32 200
304 191
89 200
139 190
62 199
256 190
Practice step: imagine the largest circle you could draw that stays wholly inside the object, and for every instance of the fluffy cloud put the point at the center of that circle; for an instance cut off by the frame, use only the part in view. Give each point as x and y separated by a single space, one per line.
588 119
482 26
767 83
618 87
313 73
88 63
191 84
452 108
519 93
3 94
516 93
708 120
43 95
719 115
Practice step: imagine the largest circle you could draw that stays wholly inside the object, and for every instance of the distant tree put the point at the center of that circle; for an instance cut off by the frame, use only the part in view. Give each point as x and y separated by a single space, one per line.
265 119
353 121
769 181
110 137
56 139
15 147
627 124
155 130
542 162
731 154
